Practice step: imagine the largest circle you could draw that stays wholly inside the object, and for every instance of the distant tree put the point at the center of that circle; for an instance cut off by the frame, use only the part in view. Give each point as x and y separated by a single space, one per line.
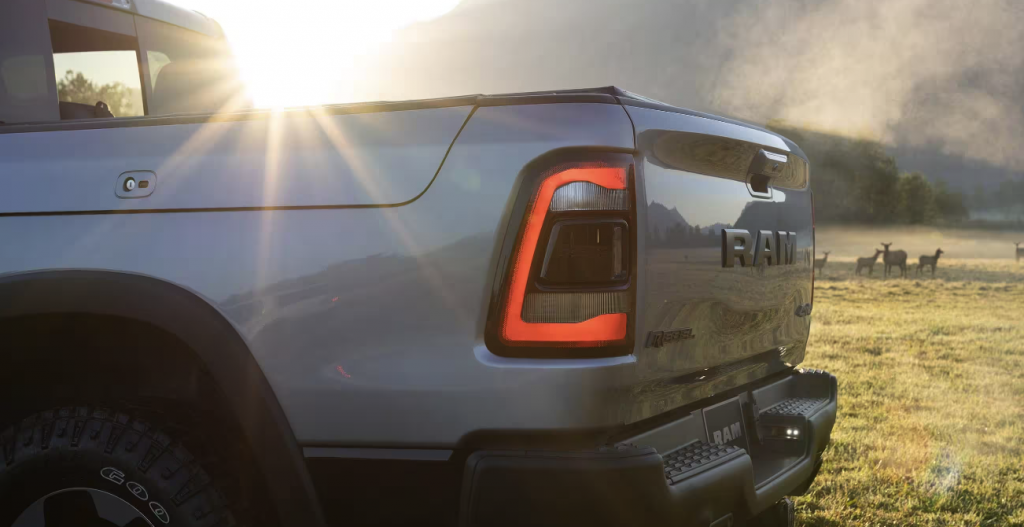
75 87
979 200
675 235
1010 194
916 199
950 206
875 183
854 180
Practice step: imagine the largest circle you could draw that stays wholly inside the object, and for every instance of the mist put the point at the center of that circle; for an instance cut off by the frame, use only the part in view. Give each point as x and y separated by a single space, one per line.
940 79
941 73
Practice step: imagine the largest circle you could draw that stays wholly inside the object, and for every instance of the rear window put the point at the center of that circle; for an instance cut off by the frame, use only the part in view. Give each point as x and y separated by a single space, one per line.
66 60
97 72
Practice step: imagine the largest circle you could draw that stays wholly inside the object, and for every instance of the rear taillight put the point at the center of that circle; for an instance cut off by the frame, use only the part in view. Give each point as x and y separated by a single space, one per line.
568 289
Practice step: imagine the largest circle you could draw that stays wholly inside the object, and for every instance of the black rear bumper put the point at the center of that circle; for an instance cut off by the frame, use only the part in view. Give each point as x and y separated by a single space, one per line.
672 475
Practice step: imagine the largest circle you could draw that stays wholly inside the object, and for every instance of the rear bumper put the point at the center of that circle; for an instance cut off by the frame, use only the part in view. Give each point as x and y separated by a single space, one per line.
672 475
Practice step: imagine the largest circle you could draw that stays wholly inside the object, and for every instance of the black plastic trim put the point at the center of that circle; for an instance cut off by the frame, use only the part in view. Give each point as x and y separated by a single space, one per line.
553 98
515 99
216 343
630 484
250 115
601 95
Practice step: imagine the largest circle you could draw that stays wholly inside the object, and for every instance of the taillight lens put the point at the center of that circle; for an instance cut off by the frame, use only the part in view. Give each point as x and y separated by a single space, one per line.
570 279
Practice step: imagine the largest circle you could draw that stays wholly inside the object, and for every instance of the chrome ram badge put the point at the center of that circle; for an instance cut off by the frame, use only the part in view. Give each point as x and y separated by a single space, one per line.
771 248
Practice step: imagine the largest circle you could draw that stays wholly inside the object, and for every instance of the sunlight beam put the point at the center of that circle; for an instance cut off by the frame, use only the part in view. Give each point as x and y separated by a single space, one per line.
303 56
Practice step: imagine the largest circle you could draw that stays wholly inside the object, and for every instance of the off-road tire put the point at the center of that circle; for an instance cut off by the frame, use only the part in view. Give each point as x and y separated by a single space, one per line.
100 449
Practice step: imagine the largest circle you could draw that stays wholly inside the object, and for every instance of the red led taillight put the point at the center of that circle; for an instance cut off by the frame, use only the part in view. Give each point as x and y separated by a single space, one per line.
595 331
570 279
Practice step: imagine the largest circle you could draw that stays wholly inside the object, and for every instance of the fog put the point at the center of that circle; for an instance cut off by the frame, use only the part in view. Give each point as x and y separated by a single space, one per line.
856 242
938 76
916 72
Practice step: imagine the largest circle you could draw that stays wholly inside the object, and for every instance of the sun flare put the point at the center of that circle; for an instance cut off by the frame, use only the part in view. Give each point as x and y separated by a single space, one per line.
306 55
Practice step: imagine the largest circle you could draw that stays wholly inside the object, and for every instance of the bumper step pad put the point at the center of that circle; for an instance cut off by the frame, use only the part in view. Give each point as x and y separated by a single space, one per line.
796 406
682 463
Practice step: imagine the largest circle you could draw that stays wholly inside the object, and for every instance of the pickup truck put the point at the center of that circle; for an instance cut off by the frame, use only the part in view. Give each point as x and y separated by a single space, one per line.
578 307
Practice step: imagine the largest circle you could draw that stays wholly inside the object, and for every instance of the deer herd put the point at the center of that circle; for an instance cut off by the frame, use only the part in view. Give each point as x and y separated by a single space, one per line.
896 259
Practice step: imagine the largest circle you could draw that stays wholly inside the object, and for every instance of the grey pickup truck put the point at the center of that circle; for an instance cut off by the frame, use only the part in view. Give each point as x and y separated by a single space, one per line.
577 307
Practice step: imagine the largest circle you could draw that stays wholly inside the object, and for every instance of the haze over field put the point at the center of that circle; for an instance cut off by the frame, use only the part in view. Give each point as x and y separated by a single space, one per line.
847 243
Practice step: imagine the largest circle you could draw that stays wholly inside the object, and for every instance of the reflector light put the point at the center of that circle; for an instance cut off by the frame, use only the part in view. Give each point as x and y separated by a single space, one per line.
573 307
589 188
584 195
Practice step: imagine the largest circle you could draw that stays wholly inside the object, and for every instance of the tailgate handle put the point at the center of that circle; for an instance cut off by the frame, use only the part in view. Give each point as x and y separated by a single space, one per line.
763 168
768 164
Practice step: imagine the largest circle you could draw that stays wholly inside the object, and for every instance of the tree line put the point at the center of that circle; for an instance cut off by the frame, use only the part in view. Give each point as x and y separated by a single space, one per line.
1008 195
856 181
76 87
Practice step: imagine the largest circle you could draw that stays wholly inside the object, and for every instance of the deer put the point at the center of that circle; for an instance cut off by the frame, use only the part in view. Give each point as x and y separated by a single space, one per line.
894 259
868 262
1020 252
928 260
819 263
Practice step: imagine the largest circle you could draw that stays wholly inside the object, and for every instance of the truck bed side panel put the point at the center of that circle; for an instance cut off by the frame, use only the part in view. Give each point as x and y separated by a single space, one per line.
368 322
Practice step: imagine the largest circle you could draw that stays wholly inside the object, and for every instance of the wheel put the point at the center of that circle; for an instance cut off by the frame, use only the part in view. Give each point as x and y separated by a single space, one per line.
92 467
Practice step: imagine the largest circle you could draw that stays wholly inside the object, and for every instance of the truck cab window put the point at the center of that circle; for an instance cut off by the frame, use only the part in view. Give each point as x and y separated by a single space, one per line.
97 72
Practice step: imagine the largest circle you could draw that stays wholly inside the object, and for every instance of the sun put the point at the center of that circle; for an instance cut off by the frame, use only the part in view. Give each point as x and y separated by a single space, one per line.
307 55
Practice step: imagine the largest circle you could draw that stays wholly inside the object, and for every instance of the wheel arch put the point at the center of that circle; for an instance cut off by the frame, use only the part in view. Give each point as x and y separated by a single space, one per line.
218 346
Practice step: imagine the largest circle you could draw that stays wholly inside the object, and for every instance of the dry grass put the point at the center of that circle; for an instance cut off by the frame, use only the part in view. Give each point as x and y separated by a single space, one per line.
931 395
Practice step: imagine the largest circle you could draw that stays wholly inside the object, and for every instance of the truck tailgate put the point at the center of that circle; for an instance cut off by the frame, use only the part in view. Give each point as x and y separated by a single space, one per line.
715 315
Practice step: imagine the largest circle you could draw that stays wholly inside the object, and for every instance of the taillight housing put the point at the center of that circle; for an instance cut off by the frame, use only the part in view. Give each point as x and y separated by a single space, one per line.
567 283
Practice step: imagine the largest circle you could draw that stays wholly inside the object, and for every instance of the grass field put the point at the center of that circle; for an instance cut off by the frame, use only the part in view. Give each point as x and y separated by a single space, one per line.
931 389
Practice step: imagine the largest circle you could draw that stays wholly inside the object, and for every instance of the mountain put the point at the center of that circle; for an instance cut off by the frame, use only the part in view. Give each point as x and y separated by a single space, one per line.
661 219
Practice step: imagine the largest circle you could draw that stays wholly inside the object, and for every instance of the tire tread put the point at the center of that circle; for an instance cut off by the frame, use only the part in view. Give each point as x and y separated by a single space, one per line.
183 481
